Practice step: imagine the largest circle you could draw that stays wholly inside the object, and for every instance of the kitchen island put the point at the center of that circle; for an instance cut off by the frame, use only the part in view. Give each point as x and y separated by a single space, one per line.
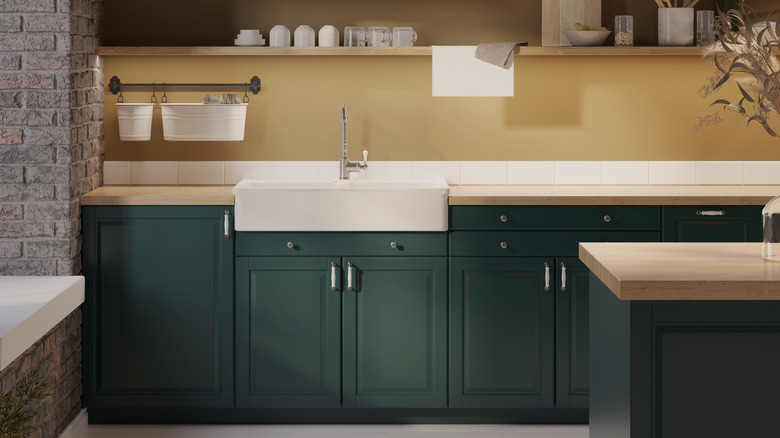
684 340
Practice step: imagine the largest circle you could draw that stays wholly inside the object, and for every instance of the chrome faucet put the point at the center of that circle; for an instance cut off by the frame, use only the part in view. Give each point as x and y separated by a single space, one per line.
345 166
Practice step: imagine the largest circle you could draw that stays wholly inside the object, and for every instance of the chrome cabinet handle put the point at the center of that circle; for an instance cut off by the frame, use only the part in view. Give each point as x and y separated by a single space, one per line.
349 276
227 224
504 218
394 245
504 245
290 245
563 276
710 212
332 275
546 276
607 218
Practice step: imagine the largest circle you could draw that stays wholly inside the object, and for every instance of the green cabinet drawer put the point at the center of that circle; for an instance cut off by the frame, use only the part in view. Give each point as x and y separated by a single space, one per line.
338 244
534 217
537 243
708 223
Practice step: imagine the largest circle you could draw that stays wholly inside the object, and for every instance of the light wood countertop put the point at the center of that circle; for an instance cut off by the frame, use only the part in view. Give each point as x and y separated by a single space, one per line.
472 195
159 195
683 271
612 195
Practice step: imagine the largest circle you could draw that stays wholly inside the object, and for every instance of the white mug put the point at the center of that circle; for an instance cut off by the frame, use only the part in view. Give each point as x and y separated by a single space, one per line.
354 36
379 37
280 36
404 37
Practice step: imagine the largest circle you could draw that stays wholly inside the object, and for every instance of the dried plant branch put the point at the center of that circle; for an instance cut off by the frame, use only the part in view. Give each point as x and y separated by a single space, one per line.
746 53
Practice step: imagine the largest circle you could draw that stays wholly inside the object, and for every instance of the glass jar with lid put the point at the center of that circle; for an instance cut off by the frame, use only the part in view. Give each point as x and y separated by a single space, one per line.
771 218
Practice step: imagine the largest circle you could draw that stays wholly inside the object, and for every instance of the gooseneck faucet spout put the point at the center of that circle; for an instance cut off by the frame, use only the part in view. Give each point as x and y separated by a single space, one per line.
345 166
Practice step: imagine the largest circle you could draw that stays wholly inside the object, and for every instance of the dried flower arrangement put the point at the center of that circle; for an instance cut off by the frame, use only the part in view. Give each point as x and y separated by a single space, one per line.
746 52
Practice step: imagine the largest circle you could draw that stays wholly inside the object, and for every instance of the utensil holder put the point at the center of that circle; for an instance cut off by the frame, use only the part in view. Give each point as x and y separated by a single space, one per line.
202 122
675 26
135 121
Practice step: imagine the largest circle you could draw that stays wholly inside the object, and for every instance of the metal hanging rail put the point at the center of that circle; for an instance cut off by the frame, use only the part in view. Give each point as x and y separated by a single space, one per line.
116 86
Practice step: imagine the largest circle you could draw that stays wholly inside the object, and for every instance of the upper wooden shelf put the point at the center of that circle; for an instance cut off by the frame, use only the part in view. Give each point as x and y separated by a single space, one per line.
387 51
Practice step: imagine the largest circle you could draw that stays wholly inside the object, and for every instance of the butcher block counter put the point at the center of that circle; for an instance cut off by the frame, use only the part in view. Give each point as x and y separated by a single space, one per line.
684 340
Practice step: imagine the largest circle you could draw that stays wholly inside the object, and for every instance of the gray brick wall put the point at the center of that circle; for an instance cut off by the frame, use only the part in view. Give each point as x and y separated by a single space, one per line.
51 152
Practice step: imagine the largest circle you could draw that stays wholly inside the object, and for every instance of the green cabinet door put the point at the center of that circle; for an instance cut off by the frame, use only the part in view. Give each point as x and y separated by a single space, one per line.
395 332
158 314
712 223
571 333
502 332
288 332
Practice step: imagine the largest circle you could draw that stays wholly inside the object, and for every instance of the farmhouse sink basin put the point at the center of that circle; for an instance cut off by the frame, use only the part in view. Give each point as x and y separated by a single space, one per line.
341 205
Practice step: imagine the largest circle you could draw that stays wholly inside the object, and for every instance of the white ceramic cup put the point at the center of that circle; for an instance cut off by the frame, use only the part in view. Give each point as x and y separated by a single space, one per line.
404 37
675 26
354 36
304 36
279 36
379 37
329 36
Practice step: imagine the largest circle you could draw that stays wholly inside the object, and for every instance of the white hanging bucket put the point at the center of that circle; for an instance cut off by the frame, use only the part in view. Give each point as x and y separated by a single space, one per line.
203 122
135 121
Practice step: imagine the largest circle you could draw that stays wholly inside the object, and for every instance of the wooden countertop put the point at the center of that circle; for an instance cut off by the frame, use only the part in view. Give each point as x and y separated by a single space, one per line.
612 195
472 195
683 271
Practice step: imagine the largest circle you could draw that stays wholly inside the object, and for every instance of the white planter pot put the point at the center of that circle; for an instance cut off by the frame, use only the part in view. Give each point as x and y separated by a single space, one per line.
135 121
202 122
675 26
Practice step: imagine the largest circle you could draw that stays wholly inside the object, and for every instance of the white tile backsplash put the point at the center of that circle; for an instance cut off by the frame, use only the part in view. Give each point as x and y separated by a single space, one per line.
483 172
761 172
672 172
718 172
455 172
201 172
578 172
116 173
625 172
153 172
530 172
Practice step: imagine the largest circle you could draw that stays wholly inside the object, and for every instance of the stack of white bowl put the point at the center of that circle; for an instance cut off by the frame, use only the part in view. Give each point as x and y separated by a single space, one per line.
329 36
280 36
249 37
304 36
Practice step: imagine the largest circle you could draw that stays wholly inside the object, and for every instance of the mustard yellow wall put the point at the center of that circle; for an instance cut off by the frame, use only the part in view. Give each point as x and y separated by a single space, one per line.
565 108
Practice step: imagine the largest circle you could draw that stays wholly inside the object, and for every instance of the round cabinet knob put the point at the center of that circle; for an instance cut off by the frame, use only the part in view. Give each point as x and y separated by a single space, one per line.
607 218
504 218
290 245
504 245
394 245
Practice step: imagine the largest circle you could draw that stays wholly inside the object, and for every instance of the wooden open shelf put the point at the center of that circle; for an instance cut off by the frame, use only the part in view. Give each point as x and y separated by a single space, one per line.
387 51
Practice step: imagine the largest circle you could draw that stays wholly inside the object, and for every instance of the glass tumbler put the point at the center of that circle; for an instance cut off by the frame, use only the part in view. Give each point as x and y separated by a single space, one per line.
379 37
354 36
624 30
704 27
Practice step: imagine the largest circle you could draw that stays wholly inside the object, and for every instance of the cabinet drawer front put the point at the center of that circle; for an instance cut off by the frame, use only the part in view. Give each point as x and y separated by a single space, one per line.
339 244
539 243
535 217
712 223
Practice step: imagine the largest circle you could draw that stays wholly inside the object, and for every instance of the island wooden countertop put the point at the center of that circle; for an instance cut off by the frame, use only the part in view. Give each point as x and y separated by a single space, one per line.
472 195
683 271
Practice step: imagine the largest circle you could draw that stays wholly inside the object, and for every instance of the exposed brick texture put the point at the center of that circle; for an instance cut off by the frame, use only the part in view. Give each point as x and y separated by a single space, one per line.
51 152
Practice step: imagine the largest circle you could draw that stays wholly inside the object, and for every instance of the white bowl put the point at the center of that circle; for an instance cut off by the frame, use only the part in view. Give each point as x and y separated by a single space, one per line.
257 42
586 37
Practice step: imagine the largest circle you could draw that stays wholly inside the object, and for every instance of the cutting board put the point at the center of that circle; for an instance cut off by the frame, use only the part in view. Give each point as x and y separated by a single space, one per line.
558 15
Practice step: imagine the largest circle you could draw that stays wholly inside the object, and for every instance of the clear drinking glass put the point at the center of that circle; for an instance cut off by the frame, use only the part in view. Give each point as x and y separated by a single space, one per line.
704 27
354 36
379 36
404 37
624 30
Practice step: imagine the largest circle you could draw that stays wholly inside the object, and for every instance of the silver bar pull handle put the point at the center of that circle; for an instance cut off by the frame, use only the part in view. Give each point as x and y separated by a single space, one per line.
546 276
227 224
710 212
332 275
349 276
563 276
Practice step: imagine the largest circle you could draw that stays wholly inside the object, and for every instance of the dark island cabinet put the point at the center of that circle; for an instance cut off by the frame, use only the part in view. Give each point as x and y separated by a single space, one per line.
158 314
341 319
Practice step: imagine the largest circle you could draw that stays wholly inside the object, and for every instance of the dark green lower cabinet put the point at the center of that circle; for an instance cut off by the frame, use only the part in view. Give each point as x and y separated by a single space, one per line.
158 314
501 332
377 340
571 333
288 332
731 223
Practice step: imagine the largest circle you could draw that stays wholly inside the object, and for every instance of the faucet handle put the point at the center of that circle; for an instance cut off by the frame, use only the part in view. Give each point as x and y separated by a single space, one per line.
365 155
